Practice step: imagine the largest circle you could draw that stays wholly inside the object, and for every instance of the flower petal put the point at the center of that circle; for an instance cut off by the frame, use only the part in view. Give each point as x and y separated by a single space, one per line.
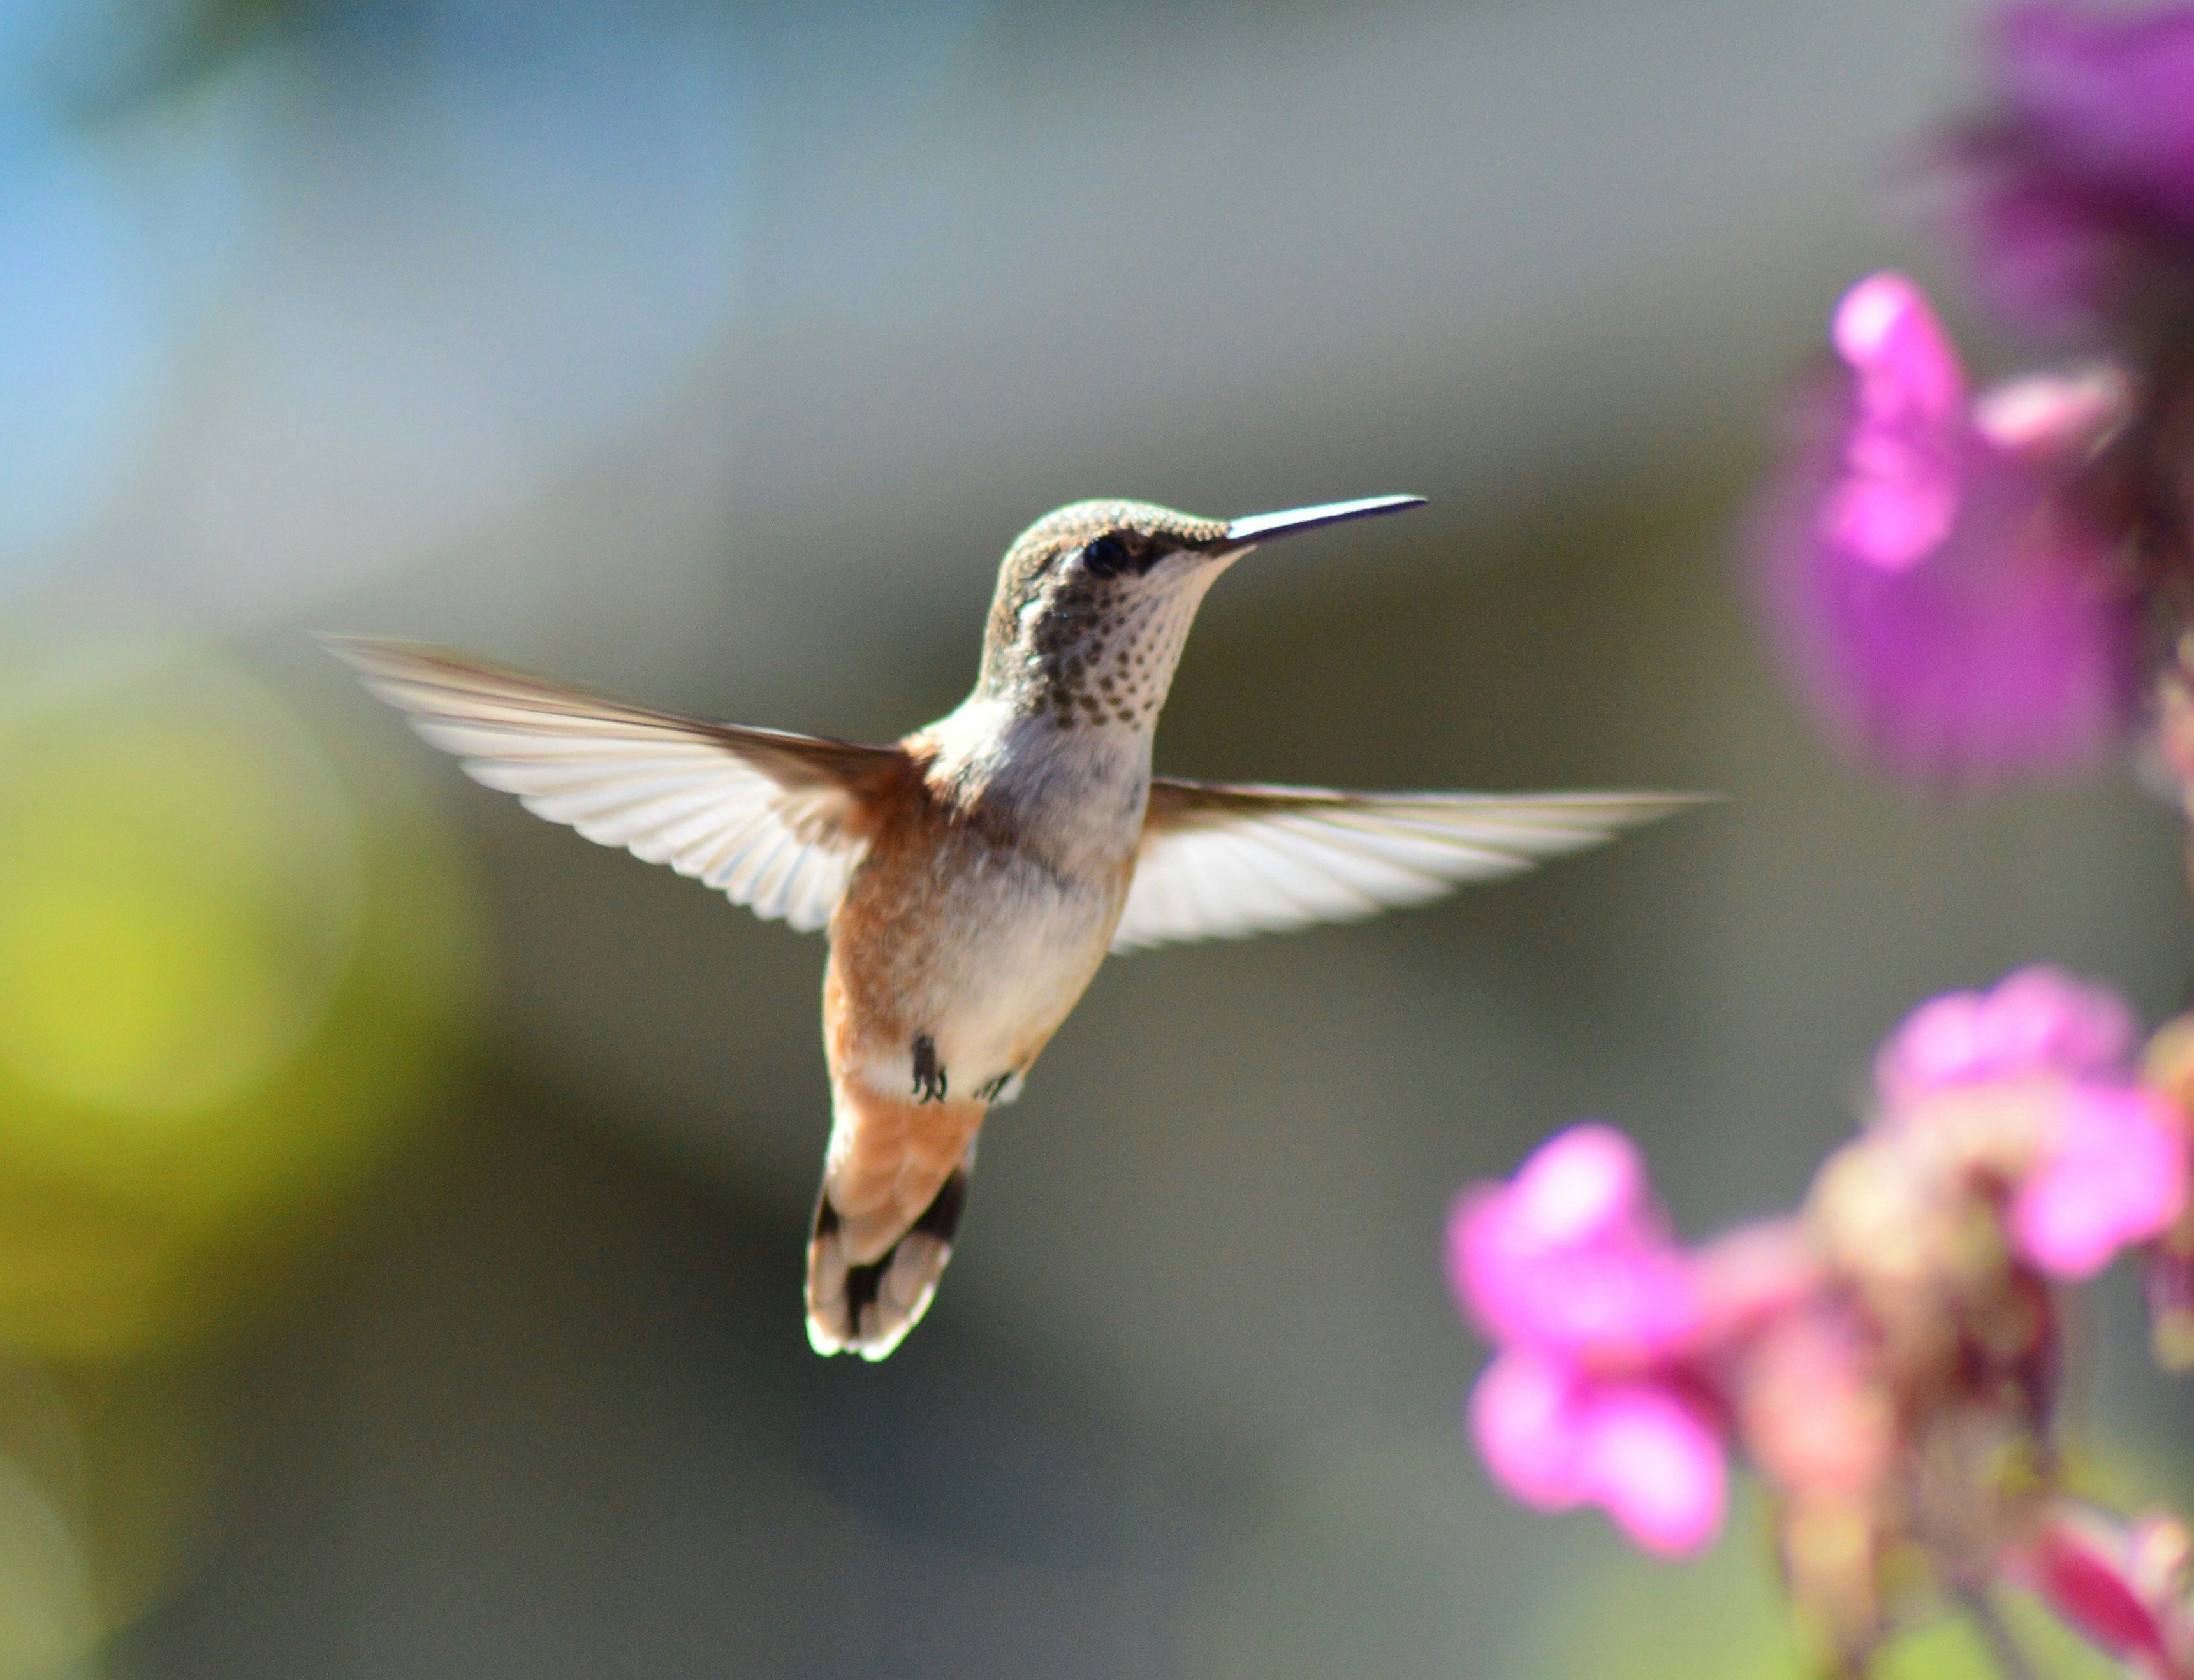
1568 1256
1656 1465
2101 1575
1524 1420
2117 1177
1585 1184
1898 494
2060 415
2037 1021
2075 194
1947 605
2110 96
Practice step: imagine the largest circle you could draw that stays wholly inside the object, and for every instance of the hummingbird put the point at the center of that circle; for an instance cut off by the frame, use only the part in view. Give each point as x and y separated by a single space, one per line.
974 874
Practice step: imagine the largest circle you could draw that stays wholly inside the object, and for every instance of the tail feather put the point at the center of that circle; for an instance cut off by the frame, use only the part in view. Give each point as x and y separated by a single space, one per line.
868 1309
894 1186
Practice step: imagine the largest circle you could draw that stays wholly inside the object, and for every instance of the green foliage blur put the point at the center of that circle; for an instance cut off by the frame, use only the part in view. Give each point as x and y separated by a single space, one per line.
234 974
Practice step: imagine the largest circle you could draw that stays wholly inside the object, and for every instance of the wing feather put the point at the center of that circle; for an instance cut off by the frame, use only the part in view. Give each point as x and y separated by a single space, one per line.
777 821
1221 860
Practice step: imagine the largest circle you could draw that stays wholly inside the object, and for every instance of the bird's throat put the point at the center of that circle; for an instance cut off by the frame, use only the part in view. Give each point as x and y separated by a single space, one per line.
1071 793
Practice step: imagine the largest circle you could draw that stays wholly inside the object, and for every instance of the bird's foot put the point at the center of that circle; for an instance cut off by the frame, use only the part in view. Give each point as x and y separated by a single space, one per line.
929 1079
1002 1089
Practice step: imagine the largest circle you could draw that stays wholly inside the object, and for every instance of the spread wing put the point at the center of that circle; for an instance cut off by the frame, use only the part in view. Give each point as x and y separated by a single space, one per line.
776 821
1218 862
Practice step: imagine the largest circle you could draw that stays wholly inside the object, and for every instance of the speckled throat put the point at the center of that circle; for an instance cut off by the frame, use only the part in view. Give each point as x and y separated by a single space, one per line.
1090 645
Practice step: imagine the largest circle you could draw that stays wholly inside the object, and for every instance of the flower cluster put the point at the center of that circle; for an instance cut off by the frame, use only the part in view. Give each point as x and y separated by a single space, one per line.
1886 1358
1964 581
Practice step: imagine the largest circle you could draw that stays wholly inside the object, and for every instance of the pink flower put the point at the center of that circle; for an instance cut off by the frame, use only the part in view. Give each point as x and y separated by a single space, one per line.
2121 1585
1569 1256
1556 1439
2037 1021
2117 1176
1568 1267
1945 601
2083 183
2114 1169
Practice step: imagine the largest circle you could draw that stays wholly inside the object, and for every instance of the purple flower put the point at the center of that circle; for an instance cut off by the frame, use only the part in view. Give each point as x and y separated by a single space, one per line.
2081 186
1946 604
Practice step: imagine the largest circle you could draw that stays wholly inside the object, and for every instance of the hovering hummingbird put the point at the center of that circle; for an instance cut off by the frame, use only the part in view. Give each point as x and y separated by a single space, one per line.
974 874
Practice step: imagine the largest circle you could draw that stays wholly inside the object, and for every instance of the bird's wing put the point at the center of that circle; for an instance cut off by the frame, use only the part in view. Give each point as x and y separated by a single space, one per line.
776 821
1218 862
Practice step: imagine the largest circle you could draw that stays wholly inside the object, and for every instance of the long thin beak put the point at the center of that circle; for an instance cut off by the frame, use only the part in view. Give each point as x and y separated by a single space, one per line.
1264 527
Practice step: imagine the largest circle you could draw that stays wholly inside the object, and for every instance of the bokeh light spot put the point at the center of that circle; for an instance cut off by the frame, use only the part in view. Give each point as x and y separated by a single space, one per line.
48 1616
178 893
228 981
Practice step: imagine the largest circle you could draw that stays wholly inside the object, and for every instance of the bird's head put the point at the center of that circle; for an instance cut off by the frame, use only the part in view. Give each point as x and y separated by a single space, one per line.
1095 601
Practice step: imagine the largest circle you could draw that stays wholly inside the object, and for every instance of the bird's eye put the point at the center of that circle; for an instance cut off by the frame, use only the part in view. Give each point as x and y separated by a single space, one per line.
1107 557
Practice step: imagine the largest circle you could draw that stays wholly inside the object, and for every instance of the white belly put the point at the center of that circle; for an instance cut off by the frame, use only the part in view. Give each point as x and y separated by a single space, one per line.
1013 980
1012 953
1009 936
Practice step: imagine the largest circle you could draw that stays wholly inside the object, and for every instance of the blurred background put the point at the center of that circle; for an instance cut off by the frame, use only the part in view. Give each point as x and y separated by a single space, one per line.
401 1201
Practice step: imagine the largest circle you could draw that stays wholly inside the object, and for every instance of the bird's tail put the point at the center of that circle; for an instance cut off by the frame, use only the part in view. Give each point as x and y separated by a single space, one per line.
894 1184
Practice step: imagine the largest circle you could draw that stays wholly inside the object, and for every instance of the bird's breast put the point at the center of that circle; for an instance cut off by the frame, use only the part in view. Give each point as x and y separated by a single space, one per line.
980 946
